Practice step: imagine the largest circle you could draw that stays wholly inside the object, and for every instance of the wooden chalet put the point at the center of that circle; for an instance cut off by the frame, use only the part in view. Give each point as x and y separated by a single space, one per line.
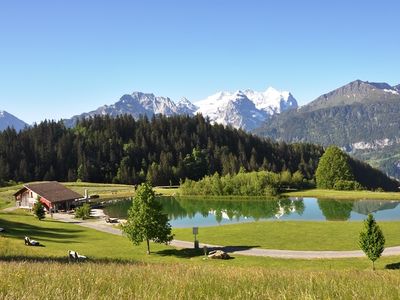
52 195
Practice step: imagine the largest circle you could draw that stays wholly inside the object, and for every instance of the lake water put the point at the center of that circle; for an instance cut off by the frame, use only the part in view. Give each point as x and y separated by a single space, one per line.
185 212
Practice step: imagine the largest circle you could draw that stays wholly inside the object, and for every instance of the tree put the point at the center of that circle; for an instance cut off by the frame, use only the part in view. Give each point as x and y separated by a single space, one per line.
332 167
372 241
83 212
38 210
146 221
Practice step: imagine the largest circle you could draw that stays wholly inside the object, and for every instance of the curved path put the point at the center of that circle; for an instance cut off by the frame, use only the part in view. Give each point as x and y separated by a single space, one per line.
101 225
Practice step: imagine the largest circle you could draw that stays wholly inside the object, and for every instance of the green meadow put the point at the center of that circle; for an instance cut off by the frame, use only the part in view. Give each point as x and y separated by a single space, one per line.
118 270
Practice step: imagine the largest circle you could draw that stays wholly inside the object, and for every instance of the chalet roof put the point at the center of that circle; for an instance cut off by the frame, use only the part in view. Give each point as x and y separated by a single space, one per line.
51 191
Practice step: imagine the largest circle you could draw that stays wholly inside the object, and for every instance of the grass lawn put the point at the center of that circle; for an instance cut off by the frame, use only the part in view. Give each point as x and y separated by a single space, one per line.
118 270
6 196
290 235
52 280
105 191
58 238
349 195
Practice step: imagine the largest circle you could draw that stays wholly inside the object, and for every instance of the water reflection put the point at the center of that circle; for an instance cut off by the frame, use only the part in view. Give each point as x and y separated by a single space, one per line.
186 212
335 210
178 208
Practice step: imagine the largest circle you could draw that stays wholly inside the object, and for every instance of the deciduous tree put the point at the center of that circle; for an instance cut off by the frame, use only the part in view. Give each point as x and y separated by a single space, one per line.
332 167
146 221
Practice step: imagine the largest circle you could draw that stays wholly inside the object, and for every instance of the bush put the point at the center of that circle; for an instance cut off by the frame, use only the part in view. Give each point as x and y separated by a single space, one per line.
83 212
38 210
348 185
243 184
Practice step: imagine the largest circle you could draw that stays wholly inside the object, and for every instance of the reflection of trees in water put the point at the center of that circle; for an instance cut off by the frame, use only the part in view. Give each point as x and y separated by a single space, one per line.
235 209
178 208
341 209
336 210
118 208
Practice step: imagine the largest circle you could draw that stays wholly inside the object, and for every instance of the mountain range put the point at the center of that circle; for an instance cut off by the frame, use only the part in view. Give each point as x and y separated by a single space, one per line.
361 117
247 110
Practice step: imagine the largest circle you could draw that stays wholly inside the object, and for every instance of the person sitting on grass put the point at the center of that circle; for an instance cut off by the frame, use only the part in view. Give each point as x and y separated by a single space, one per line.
75 256
29 242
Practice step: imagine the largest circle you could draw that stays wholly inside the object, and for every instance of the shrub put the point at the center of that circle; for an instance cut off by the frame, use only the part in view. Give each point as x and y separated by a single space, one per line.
83 212
38 210
347 185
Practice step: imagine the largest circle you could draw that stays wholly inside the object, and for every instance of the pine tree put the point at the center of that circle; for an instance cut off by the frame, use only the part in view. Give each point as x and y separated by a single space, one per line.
372 241
146 221
38 210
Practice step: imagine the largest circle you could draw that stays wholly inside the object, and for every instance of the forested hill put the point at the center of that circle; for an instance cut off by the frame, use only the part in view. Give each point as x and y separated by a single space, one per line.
162 150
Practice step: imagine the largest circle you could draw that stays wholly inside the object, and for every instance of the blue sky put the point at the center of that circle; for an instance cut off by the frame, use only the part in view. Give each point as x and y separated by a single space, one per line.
60 58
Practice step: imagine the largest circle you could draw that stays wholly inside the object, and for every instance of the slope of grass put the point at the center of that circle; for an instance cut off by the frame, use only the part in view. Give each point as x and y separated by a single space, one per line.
53 280
290 235
7 196
346 195
58 238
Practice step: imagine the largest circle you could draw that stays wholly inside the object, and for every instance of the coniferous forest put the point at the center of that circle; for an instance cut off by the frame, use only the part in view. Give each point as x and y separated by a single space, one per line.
162 150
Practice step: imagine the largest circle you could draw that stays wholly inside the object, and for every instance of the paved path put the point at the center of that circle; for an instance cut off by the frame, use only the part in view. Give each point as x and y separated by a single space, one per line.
8 209
101 225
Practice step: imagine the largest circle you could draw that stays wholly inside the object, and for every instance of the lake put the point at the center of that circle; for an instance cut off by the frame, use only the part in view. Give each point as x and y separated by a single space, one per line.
186 212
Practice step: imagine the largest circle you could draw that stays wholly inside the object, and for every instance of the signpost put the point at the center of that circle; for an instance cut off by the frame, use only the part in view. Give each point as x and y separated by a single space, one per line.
196 242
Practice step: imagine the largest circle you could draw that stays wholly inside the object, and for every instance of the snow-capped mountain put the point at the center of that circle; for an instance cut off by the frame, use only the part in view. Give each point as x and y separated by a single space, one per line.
186 107
247 110
8 120
137 104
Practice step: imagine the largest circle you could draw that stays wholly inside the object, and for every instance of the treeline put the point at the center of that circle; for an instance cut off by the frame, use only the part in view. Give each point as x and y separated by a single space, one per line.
160 150
261 183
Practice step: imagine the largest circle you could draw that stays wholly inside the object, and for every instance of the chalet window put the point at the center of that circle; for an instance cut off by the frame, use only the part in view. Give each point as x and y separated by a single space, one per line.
31 195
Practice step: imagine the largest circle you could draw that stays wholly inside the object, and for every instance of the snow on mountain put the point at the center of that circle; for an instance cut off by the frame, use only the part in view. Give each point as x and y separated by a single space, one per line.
137 104
8 120
186 107
247 110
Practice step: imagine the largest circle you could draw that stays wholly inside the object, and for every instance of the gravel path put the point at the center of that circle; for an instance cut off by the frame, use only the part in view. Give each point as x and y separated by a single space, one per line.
8 209
101 225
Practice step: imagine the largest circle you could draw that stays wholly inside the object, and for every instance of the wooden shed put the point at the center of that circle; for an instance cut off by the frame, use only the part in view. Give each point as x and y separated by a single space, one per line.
52 195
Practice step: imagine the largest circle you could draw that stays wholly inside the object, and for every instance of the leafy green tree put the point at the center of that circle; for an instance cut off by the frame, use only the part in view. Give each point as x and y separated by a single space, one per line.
38 210
332 167
83 212
146 221
372 241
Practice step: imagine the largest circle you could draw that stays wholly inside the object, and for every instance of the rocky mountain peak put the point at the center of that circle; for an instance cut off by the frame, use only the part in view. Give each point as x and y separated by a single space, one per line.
8 120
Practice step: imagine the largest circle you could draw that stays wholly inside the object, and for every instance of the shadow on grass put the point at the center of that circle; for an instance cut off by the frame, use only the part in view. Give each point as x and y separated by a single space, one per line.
191 252
19 230
64 260
181 253
395 266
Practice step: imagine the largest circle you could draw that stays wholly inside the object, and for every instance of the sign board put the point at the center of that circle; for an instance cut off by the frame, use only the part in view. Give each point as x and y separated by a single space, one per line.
195 230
